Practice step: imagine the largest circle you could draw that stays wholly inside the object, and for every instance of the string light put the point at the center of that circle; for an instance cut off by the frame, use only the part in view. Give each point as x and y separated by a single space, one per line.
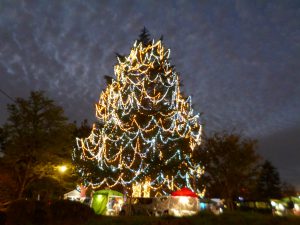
144 122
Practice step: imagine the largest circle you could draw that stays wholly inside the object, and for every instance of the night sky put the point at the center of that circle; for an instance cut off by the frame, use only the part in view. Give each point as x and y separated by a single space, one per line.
239 60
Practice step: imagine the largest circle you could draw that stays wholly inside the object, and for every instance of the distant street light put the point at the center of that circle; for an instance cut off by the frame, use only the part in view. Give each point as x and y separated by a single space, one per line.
62 168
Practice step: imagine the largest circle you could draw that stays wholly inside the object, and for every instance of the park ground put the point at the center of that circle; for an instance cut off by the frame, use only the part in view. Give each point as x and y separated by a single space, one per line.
70 213
232 218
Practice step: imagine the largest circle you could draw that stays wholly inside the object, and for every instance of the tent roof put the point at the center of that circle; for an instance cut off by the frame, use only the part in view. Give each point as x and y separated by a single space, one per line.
108 193
184 192
73 193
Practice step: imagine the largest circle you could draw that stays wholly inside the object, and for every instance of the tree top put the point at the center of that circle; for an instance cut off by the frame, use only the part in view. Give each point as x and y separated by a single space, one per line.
144 37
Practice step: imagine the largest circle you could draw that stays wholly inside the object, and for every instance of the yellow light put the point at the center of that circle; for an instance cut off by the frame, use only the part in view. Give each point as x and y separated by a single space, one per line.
146 188
136 190
62 168
123 145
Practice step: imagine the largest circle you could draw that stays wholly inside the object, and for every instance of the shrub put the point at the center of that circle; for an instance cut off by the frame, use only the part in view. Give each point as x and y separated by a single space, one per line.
29 212
2 217
23 212
70 212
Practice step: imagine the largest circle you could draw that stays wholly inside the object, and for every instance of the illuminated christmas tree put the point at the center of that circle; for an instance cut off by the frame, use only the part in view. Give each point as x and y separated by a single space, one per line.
146 130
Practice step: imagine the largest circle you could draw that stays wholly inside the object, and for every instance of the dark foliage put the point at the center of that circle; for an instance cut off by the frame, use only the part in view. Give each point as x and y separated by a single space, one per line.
230 163
258 207
25 212
45 188
2 217
144 37
64 211
84 129
288 190
36 137
268 184
2 140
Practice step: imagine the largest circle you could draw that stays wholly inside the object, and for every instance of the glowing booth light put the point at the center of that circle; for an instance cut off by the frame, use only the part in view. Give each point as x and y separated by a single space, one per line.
184 203
183 200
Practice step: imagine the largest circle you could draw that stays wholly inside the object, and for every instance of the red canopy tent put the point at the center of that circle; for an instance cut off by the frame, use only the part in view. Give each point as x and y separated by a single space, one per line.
184 192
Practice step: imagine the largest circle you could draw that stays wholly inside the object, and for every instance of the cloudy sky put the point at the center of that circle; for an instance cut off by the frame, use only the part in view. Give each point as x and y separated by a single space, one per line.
239 60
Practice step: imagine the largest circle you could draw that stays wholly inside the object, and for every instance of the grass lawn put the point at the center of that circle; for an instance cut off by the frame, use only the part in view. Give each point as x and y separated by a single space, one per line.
25 212
229 218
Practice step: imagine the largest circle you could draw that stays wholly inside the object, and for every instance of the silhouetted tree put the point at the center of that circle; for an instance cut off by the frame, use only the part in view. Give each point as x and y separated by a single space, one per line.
144 37
268 183
83 130
230 164
2 140
7 183
288 190
38 138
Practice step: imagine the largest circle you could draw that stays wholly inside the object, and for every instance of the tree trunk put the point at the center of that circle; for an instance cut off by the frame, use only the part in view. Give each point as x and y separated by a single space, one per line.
21 190
23 180
229 203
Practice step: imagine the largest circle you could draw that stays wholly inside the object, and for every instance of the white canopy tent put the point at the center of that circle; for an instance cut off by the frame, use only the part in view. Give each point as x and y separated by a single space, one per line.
73 195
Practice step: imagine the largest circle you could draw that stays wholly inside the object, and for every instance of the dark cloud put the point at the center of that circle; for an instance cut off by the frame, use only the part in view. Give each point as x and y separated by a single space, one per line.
238 59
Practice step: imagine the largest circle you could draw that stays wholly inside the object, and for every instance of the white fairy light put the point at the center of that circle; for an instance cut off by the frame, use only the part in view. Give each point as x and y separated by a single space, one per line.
142 112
